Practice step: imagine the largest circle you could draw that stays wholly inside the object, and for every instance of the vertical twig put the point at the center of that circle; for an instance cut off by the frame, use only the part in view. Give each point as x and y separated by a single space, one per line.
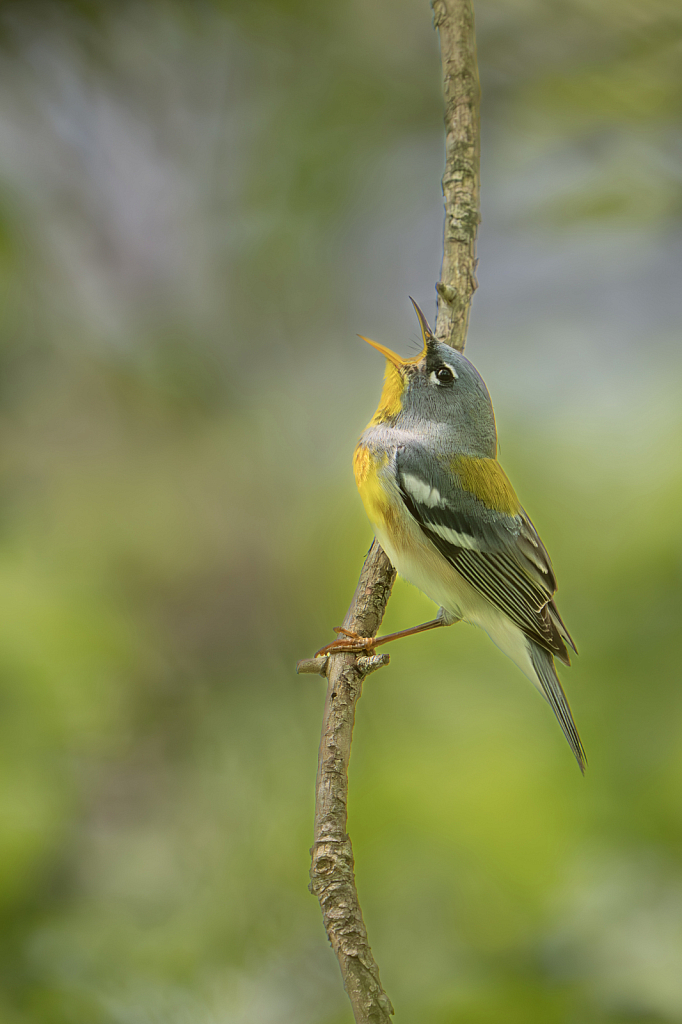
332 876
454 20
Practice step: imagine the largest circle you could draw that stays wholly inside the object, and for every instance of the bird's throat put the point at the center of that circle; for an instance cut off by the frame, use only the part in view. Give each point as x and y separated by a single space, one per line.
390 403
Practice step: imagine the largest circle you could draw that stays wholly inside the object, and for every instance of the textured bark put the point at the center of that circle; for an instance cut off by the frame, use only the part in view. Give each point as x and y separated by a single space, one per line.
454 20
332 876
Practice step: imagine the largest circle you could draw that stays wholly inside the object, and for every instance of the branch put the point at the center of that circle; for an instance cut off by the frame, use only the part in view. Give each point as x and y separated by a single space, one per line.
332 877
454 20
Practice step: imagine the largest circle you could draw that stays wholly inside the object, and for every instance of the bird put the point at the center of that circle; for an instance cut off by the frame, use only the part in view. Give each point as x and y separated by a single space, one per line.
449 520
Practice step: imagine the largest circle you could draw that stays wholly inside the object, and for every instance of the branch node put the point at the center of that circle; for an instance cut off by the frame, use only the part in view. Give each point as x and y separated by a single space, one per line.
447 292
313 666
372 662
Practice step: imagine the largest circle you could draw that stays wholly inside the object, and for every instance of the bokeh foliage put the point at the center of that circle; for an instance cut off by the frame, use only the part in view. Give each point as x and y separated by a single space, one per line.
200 205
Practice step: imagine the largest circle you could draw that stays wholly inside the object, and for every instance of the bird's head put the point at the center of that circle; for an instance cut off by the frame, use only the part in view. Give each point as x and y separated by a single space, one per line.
438 388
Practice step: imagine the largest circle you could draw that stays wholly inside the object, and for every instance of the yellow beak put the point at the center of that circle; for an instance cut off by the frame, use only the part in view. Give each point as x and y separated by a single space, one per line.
391 356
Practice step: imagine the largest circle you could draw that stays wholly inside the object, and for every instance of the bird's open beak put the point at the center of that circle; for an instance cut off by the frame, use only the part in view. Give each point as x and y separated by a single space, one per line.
392 357
427 333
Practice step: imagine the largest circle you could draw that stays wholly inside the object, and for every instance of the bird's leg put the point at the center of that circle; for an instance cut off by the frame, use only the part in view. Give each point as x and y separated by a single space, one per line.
421 628
352 643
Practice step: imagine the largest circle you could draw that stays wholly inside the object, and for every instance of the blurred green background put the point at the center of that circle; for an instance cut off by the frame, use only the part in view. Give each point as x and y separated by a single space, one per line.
201 205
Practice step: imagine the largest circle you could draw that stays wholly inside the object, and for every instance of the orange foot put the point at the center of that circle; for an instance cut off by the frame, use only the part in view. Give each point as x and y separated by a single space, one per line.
349 643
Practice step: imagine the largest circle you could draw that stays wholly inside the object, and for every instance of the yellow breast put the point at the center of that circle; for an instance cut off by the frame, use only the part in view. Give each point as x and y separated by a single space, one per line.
384 514
366 467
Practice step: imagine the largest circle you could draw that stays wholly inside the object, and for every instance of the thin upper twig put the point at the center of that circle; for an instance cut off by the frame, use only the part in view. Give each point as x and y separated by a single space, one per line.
454 20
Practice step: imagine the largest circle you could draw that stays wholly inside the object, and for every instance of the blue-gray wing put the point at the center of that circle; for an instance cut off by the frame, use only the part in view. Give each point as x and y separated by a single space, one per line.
499 554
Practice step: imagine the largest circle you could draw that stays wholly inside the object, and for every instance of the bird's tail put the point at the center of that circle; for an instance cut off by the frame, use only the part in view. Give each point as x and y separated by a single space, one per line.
551 689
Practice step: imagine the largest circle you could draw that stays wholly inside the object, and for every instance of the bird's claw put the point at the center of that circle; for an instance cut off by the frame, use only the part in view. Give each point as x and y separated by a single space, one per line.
348 643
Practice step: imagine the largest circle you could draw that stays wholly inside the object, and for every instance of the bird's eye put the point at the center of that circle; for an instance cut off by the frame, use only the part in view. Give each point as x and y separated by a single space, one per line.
444 375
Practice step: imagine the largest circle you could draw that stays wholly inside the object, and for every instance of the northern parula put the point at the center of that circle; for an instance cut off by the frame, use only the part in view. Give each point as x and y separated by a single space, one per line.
449 520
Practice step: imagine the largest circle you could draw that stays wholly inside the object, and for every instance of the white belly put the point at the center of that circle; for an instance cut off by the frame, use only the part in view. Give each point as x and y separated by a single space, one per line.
420 563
